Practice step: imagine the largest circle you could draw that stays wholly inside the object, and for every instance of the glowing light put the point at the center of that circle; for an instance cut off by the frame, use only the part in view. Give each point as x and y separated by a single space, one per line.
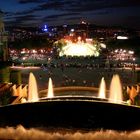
79 49
34 51
131 52
89 40
32 89
24 58
72 30
102 88
71 34
79 38
83 22
134 59
45 28
42 51
122 37
116 90
22 52
50 89
103 45
49 59
64 25
23 100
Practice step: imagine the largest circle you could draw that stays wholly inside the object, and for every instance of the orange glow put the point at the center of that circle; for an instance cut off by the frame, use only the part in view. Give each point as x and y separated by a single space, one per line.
102 88
79 48
50 89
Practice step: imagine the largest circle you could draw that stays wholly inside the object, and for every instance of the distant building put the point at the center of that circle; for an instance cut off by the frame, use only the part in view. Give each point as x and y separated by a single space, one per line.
3 40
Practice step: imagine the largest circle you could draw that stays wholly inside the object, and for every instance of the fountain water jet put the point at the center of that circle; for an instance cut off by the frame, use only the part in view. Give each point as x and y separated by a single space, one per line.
50 89
102 88
32 89
116 90
23 100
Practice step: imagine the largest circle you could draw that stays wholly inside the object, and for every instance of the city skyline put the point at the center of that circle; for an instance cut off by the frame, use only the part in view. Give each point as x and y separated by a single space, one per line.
124 13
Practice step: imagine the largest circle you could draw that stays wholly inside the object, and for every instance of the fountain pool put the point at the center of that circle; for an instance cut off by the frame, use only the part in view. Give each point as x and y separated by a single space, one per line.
77 112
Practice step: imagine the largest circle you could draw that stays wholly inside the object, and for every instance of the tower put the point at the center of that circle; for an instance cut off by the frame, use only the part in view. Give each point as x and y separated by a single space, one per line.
3 40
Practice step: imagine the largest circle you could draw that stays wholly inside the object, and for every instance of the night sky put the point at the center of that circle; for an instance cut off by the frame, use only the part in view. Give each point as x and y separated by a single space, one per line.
58 12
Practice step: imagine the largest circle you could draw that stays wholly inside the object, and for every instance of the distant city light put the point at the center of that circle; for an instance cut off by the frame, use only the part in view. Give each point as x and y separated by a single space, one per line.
71 34
34 51
120 54
83 22
79 38
24 58
22 52
72 30
89 40
122 37
42 51
103 45
45 29
49 59
131 52
64 25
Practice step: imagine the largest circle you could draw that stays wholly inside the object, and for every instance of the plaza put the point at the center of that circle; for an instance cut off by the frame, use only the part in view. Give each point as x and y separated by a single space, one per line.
75 76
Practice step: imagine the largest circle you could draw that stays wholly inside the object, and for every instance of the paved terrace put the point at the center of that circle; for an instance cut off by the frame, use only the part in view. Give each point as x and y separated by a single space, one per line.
73 76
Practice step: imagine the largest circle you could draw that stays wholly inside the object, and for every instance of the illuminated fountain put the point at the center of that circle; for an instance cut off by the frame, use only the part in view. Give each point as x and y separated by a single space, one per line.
102 89
114 97
23 100
115 90
73 112
79 48
32 89
50 89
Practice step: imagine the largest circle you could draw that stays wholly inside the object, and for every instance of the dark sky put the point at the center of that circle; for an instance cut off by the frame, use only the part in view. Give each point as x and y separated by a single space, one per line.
59 12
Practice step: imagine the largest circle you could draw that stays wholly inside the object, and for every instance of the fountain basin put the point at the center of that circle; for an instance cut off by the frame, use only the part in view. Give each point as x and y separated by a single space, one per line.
85 113
72 90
